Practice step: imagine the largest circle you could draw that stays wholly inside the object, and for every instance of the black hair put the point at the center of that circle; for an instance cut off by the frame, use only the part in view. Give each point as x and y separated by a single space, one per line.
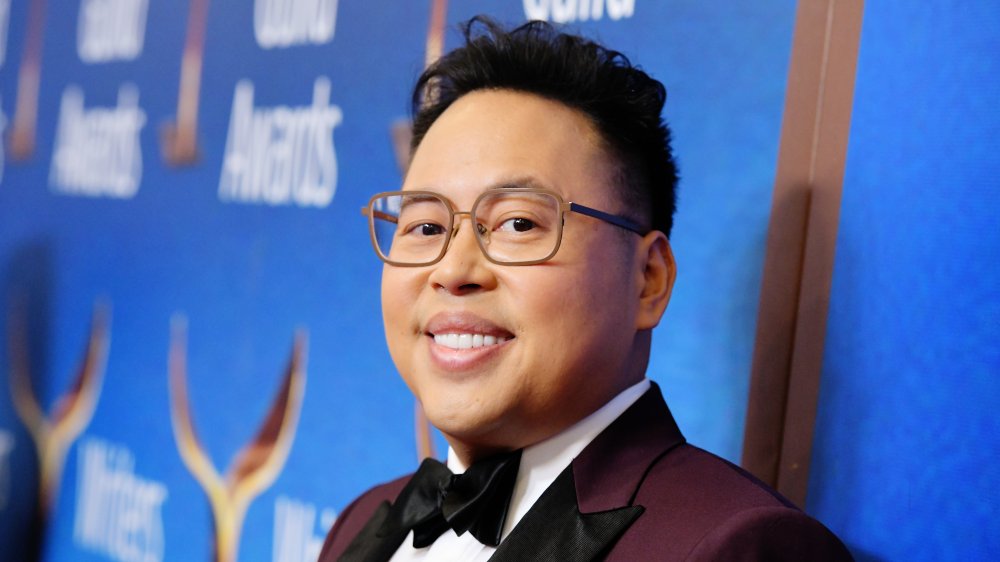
622 101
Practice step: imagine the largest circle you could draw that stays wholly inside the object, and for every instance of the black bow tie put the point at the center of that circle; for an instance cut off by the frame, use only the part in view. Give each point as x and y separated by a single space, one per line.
476 501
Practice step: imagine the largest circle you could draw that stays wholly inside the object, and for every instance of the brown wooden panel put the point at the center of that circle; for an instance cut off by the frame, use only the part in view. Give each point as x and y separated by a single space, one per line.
798 264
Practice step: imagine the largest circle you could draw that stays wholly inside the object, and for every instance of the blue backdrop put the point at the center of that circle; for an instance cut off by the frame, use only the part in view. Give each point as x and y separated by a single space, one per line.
260 236
905 458
248 256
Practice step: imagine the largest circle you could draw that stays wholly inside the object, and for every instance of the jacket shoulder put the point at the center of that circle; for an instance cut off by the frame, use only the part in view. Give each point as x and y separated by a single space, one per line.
701 507
353 518
770 533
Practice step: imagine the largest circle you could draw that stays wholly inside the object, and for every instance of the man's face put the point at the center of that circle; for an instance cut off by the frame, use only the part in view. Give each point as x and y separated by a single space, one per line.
559 337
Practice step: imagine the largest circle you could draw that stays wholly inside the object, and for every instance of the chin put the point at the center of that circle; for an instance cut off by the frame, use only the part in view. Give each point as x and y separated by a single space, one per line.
471 427
458 421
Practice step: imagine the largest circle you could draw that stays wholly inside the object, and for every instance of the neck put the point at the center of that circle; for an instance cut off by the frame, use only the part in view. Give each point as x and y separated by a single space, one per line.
633 370
464 454
468 454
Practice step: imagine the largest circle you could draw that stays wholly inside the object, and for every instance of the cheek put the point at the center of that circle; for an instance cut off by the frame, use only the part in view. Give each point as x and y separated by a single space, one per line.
589 301
398 300
556 306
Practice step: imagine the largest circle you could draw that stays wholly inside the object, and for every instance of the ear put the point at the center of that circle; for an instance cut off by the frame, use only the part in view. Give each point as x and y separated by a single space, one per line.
658 275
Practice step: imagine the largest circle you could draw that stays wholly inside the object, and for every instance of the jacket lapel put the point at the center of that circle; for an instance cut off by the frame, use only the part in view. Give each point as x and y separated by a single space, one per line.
377 541
591 504
611 469
554 528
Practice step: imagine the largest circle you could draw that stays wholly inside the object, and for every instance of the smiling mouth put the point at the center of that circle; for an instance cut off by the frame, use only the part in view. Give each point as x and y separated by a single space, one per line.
467 341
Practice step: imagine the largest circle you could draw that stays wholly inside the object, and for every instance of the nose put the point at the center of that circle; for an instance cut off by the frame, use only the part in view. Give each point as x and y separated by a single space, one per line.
463 269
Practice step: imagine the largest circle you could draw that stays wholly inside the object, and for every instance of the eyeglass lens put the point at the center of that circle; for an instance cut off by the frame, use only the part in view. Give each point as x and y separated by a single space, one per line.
512 226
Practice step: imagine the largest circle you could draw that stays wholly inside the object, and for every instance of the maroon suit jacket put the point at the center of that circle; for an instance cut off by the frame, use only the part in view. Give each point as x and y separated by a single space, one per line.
637 492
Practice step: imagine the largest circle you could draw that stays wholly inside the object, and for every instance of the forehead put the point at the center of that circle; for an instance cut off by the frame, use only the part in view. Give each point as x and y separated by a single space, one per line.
496 137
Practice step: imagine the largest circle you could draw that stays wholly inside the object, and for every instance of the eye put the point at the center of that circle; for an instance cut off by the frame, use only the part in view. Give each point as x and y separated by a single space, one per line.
429 229
424 229
519 224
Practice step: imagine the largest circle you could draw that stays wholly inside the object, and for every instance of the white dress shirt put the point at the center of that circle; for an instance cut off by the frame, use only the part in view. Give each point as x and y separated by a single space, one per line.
540 464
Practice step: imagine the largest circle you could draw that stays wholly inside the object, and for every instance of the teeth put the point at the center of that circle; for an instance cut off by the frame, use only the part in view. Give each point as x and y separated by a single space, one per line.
467 341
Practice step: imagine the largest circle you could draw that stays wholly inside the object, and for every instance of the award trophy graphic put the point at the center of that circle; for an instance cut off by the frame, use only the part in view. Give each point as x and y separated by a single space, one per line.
53 434
22 135
179 140
257 465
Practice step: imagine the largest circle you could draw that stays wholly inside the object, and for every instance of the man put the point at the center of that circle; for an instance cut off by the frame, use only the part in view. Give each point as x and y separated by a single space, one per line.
526 264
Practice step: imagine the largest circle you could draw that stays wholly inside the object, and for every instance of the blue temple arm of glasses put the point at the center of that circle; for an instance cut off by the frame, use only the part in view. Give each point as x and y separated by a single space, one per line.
609 218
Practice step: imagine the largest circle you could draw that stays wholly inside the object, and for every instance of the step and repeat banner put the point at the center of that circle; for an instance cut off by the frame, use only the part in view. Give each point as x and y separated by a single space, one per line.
907 432
192 358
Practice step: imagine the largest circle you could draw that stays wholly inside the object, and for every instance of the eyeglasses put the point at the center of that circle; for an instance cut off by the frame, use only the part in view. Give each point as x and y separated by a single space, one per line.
513 226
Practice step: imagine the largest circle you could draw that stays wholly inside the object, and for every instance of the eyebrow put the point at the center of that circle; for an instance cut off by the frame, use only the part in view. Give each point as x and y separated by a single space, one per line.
521 182
517 182
414 199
